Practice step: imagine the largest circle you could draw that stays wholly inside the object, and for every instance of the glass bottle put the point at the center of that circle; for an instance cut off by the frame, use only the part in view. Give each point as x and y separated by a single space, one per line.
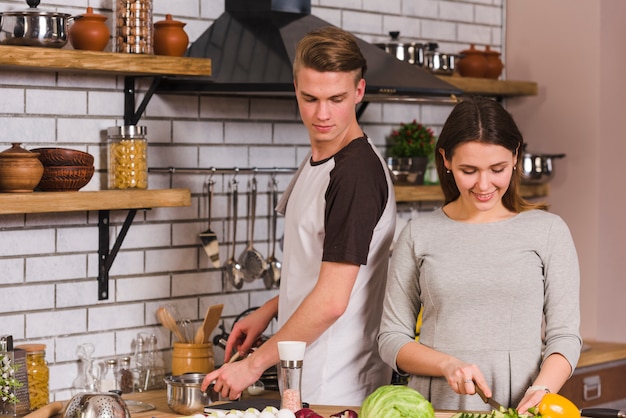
128 157
85 381
38 374
133 27
109 379
139 366
125 375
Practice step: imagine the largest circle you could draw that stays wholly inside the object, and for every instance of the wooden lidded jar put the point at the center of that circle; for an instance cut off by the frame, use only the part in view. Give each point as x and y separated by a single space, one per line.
494 64
89 32
20 170
170 38
473 63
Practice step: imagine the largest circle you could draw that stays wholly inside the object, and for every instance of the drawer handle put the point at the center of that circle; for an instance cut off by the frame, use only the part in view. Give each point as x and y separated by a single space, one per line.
592 388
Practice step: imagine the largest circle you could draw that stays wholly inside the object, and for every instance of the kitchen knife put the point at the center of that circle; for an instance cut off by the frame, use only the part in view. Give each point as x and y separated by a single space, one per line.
602 413
492 402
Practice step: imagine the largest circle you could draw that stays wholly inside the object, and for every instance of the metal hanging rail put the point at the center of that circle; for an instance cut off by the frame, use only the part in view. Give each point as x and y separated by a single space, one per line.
215 170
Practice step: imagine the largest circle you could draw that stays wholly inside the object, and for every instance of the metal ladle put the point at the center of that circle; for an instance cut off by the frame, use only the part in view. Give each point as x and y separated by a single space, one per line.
271 275
252 262
232 269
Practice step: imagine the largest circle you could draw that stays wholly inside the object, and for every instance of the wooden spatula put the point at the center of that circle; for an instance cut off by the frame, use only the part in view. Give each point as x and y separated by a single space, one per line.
211 319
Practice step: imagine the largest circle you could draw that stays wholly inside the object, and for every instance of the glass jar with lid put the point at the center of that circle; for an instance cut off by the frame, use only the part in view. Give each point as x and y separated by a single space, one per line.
128 157
133 28
38 374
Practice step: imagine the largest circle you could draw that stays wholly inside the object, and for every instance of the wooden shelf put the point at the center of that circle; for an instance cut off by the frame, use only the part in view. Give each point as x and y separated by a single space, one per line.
46 202
490 87
434 193
53 59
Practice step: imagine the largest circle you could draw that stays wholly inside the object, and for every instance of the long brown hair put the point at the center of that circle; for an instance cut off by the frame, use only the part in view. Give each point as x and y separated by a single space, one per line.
480 119
330 49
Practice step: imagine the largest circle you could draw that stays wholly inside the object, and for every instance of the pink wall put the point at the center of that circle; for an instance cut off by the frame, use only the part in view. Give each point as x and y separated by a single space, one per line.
574 50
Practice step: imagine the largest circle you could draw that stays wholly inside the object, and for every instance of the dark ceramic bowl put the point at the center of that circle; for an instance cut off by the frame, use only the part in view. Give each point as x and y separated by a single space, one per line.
63 157
64 178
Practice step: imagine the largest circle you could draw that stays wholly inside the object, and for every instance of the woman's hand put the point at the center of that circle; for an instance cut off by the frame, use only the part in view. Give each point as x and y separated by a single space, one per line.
462 377
531 398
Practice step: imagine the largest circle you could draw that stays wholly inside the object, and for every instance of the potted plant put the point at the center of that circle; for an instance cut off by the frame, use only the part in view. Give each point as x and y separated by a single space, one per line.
409 149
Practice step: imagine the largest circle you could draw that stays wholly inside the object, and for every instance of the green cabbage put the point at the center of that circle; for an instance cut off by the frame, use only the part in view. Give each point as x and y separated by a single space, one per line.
394 401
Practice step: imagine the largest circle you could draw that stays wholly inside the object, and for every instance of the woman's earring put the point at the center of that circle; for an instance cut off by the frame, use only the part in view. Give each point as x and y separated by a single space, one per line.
448 171
515 167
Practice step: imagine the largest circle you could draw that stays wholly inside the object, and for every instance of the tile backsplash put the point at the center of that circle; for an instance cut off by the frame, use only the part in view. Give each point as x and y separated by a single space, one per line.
49 262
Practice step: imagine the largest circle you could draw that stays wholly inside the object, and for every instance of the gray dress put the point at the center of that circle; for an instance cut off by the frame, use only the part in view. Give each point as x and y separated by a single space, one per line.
485 289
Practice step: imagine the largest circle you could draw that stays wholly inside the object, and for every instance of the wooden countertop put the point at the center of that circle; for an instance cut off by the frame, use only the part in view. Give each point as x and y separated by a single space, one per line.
601 352
158 398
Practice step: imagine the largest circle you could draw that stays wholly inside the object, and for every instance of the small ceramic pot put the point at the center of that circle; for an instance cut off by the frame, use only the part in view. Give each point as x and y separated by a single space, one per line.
89 32
494 64
170 38
473 63
20 170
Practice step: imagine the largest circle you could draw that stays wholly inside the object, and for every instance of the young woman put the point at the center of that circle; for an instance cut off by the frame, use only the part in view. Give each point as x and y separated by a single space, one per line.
497 277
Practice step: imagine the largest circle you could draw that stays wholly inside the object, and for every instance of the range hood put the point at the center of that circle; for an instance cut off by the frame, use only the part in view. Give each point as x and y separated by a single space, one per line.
252 45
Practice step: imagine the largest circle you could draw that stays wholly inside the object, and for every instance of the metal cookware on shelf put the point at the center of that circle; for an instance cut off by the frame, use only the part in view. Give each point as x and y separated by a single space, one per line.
411 52
34 27
439 62
538 168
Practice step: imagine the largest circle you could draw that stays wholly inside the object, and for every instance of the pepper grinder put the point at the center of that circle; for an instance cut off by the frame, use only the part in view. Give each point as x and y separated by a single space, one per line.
291 355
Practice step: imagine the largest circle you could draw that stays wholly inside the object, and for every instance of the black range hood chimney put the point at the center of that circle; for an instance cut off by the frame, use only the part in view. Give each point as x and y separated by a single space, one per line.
252 45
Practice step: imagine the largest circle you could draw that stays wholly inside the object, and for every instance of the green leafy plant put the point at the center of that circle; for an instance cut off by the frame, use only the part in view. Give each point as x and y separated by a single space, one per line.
8 382
411 140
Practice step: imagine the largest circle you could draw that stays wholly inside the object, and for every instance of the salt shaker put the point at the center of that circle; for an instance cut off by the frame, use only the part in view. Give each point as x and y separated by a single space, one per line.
291 355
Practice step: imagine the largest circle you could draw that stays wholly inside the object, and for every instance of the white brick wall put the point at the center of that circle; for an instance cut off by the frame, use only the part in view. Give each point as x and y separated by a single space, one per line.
49 262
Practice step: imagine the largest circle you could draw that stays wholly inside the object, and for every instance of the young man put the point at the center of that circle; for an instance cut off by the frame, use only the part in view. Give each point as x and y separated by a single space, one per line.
339 223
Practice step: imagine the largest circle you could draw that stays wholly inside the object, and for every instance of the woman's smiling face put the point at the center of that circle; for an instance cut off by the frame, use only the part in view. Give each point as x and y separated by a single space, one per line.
482 173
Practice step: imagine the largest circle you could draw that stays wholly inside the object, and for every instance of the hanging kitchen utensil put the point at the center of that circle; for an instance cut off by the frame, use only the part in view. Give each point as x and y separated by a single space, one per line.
211 319
232 269
208 237
167 320
251 260
271 275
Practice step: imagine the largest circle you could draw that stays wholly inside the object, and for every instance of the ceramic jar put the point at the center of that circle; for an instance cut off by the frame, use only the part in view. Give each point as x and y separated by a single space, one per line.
170 38
494 64
89 32
20 170
473 63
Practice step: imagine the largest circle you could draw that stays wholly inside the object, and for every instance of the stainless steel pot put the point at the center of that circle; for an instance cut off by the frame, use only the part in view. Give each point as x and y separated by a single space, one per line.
439 62
538 168
185 396
411 52
34 27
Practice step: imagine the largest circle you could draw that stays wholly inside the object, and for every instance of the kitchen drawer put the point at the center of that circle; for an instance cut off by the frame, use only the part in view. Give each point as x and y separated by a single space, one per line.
598 384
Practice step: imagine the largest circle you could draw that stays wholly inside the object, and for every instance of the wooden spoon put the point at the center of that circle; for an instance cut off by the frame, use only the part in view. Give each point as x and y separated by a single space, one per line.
167 320
211 319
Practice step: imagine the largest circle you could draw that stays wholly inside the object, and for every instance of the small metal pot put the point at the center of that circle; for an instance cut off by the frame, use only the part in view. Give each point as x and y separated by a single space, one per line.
411 52
34 27
439 62
538 168
184 395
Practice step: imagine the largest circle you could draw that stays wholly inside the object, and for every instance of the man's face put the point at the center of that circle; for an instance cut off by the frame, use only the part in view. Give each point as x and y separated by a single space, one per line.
327 102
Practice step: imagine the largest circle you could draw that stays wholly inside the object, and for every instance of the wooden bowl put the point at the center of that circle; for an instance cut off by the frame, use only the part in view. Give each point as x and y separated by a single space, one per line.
64 178
63 157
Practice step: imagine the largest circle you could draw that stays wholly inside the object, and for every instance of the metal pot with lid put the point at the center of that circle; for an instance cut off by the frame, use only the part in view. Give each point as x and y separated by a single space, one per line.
34 27
411 52
439 62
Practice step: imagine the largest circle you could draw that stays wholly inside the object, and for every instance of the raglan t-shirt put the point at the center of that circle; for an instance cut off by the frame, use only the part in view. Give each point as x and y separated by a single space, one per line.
341 209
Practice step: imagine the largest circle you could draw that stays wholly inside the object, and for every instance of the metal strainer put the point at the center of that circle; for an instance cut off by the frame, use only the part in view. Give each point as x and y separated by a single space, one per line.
96 405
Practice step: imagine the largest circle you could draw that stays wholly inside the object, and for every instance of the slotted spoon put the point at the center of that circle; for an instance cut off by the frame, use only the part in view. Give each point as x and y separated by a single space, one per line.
252 262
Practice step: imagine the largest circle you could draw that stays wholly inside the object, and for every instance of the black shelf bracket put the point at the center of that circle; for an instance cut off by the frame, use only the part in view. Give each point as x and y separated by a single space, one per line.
106 257
131 117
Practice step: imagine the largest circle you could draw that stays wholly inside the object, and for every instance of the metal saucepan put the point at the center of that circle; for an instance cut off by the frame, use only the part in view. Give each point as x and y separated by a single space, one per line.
411 52
538 168
439 62
34 27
